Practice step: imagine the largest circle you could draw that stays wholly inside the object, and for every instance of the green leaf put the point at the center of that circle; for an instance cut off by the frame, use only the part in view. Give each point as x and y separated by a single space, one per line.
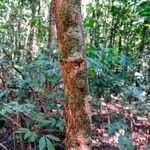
2 112
27 135
2 93
50 146
53 138
129 144
112 128
90 22
22 130
33 137
60 125
42 143
121 141
89 7
144 9
125 142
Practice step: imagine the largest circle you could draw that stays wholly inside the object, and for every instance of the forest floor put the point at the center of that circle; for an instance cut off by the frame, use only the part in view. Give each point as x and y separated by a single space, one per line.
139 129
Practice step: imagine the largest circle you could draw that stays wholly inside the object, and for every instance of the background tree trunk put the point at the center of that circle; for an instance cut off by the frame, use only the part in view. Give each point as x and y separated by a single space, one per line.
73 66
30 34
52 26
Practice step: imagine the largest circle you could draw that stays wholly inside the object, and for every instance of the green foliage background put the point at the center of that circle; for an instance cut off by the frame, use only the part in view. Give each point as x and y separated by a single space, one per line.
117 44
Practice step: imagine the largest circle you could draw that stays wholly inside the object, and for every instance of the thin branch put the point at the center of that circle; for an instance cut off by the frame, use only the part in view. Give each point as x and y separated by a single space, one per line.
57 84
9 118
1 145
14 122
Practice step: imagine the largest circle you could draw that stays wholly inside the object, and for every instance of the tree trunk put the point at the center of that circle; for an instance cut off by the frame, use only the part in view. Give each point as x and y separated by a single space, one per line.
30 35
73 66
52 26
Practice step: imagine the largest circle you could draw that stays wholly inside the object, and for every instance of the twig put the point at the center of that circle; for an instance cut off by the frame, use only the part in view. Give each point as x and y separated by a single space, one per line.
56 85
1 145
16 123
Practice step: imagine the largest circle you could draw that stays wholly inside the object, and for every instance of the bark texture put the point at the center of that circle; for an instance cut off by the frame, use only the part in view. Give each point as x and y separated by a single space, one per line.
72 61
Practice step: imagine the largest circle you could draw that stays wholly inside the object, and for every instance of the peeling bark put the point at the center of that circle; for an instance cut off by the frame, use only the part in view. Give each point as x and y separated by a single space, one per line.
73 66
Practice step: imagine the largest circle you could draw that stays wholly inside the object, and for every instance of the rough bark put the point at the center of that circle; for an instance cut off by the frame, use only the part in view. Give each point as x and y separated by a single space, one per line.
73 66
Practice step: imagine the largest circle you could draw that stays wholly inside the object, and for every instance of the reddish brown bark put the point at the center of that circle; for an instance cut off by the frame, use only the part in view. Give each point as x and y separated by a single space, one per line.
72 61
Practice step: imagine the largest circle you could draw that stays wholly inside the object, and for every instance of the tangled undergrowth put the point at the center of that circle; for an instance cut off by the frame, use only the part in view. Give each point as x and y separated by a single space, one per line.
114 126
